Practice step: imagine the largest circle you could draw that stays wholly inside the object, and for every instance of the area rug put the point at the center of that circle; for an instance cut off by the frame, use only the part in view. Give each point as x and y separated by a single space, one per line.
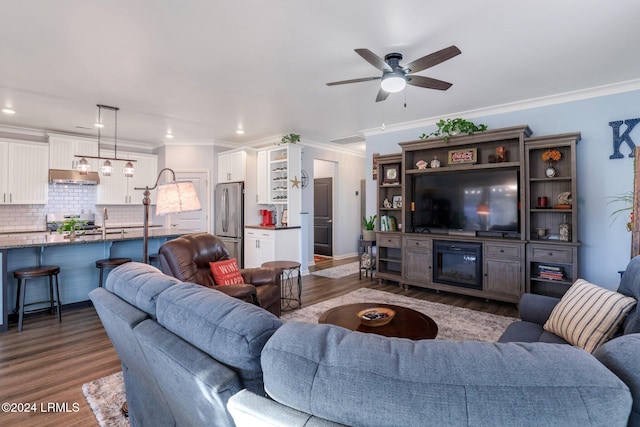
105 397
454 323
339 271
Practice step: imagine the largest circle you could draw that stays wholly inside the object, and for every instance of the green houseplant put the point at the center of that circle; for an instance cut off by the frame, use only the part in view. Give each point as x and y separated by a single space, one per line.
368 232
292 138
452 127
71 225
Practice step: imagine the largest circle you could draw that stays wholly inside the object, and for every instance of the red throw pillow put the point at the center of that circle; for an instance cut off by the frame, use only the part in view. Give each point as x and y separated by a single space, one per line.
226 272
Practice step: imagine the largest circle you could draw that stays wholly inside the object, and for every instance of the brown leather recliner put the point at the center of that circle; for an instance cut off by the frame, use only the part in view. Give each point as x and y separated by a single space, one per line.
187 258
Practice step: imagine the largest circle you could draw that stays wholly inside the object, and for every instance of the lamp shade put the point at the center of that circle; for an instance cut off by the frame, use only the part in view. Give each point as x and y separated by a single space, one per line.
177 196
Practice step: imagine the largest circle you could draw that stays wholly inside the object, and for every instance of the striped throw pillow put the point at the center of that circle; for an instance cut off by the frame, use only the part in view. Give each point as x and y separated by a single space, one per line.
588 315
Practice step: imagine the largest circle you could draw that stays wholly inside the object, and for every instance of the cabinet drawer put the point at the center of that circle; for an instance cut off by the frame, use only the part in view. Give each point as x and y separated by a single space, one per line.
418 245
257 233
389 241
552 254
503 251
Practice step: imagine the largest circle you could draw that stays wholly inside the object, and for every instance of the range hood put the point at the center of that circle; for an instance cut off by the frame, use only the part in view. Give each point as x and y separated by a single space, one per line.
60 176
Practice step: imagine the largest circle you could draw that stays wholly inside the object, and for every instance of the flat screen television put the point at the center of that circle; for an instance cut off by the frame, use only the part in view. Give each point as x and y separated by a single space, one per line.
474 200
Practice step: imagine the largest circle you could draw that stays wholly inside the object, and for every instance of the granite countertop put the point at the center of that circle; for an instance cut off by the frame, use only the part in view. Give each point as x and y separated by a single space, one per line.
22 240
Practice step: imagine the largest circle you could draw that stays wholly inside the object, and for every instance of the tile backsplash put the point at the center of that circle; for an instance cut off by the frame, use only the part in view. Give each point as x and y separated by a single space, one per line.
68 199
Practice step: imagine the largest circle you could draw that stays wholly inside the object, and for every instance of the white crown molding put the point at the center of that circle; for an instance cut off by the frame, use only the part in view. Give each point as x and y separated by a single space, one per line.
168 142
560 98
329 146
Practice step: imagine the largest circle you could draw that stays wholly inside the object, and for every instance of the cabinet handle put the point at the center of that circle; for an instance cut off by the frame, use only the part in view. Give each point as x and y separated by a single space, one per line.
550 254
4 198
10 197
501 251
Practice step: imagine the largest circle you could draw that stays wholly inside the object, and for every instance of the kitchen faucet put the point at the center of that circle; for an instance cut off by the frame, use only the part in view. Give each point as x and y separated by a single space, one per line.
105 217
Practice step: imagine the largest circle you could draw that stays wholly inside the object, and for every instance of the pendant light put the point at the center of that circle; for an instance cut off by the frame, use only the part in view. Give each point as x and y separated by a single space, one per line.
83 166
107 168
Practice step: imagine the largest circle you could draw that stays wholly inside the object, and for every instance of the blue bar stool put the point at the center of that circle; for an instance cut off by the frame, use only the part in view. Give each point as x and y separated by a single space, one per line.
50 271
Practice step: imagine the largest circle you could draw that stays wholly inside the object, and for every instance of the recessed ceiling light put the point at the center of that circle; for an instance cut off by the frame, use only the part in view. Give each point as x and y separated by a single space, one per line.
99 124
169 135
8 110
240 131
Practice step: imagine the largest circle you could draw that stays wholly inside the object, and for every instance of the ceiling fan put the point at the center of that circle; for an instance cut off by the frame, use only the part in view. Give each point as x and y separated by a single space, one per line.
395 76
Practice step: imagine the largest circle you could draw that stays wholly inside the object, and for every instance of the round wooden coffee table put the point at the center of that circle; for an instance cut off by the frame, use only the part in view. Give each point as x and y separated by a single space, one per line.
407 323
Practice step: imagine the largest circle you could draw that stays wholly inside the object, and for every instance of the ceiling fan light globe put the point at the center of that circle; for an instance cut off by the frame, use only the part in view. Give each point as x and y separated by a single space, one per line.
393 83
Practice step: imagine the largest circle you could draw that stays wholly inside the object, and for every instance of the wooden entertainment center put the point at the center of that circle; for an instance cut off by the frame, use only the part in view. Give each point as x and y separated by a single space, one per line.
508 228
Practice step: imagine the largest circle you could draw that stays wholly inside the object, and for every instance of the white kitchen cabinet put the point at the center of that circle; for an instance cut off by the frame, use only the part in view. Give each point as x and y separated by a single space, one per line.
232 166
264 245
24 168
240 166
262 187
62 152
118 189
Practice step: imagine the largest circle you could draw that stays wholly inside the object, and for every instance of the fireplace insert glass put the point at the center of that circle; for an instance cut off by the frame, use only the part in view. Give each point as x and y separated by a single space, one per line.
458 263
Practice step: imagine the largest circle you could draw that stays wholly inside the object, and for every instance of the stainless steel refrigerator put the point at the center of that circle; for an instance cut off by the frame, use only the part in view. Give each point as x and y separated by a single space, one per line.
229 218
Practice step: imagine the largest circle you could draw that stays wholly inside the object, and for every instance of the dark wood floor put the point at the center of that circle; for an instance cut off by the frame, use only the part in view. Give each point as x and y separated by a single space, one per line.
49 361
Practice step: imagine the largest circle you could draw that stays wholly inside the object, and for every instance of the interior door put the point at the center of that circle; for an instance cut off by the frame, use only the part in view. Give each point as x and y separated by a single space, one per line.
195 220
323 216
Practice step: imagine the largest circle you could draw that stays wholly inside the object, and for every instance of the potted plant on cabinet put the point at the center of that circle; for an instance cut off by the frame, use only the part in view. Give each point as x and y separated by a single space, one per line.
368 232
452 127
292 138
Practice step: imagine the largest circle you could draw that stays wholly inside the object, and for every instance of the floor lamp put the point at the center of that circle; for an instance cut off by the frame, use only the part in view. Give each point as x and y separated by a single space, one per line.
173 197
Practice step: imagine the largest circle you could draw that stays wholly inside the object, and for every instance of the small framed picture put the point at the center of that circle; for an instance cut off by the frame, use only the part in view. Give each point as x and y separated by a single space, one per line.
396 202
391 173
469 155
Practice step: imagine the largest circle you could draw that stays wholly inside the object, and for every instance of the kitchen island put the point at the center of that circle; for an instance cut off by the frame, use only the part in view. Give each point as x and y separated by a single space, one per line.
76 258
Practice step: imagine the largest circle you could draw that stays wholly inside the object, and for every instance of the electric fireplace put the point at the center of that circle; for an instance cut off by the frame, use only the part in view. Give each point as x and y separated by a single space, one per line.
458 263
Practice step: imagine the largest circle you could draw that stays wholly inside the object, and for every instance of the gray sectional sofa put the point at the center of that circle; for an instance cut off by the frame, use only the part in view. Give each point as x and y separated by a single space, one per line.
193 356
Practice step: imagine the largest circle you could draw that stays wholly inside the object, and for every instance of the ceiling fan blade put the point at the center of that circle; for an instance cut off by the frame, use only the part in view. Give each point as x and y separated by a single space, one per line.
373 59
428 82
344 82
433 59
382 95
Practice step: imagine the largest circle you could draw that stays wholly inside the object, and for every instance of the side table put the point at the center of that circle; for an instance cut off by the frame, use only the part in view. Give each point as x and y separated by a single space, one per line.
366 247
288 269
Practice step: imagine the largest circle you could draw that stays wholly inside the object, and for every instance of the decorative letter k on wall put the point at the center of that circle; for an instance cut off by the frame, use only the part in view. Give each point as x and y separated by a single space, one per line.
619 139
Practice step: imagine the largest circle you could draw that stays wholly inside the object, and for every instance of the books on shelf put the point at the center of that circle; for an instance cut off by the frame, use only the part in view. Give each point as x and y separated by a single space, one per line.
388 223
551 272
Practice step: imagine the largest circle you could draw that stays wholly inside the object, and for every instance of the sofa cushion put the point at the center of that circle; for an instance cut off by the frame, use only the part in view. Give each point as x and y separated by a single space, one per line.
226 272
588 315
620 355
230 330
348 377
524 331
139 285
630 286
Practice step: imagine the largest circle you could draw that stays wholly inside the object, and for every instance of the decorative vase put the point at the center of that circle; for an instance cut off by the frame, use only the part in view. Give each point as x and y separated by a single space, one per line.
550 171
564 229
72 234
